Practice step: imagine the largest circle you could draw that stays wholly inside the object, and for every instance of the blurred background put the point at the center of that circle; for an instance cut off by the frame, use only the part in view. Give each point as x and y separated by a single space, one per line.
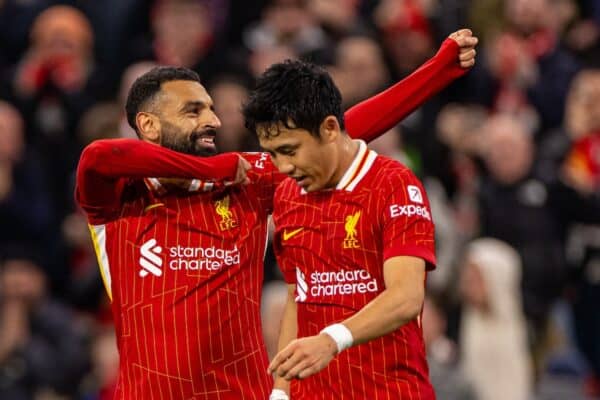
509 154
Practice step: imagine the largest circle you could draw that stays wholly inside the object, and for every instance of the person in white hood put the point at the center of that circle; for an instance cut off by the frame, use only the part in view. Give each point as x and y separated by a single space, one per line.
493 335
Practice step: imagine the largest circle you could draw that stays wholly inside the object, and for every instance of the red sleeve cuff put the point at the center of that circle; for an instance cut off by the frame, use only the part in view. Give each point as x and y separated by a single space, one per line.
413 251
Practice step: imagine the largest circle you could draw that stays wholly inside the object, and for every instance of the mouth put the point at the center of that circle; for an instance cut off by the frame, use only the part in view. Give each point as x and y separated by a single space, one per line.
204 138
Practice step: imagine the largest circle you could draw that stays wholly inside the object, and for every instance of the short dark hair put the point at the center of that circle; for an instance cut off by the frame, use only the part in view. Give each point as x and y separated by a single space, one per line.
145 88
296 94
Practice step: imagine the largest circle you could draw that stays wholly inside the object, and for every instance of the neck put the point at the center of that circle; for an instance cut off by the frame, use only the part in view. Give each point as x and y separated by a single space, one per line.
347 152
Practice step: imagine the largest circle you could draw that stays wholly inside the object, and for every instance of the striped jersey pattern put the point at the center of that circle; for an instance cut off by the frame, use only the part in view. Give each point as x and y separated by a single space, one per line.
332 244
184 271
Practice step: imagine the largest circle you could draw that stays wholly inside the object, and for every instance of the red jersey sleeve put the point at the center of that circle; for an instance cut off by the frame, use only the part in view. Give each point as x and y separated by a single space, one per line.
408 228
265 175
375 116
105 165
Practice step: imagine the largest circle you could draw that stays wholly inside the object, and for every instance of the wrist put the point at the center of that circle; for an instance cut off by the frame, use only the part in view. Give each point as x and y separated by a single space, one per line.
341 336
278 394
448 51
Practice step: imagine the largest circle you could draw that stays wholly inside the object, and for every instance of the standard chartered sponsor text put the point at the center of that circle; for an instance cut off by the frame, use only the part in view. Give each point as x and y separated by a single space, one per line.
341 282
202 258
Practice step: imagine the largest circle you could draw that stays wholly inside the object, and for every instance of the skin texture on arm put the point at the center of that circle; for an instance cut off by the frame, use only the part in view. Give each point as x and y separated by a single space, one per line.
398 304
288 332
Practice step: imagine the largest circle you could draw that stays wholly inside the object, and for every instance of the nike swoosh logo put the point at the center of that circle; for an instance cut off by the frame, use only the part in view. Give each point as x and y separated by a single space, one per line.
288 235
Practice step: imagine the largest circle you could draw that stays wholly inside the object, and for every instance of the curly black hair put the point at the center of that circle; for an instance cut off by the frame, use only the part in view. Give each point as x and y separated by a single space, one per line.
296 94
146 87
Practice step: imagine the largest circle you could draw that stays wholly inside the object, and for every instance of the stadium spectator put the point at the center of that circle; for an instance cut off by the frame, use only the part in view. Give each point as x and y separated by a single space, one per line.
494 347
55 82
447 377
541 209
228 93
582 170
25 206
42 347
360 69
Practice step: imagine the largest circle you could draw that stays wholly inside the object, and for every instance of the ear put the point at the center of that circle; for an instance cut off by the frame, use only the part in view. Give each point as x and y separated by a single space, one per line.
148 125
330 129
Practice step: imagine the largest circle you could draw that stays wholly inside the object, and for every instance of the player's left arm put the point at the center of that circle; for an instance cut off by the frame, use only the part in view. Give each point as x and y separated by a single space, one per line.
398 304
376 115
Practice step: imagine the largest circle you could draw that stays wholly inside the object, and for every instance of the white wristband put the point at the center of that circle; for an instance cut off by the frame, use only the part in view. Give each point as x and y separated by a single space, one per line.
340 335
278 394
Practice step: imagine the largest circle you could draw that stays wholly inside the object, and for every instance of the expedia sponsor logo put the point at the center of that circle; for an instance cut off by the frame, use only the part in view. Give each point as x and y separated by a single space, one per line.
184 258
344 282
414 194
409 210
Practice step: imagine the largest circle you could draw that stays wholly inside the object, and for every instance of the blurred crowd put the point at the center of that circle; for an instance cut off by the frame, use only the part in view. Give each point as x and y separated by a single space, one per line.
510 156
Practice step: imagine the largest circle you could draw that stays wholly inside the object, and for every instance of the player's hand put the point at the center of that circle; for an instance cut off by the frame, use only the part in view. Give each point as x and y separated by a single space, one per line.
241 175
466 43
303 357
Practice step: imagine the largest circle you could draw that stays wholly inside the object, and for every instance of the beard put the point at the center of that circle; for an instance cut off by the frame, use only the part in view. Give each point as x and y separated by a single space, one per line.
172 138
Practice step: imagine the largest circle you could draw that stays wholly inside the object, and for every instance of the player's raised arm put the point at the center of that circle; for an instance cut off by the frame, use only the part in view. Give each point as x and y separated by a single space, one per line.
378 114
104 162
132 158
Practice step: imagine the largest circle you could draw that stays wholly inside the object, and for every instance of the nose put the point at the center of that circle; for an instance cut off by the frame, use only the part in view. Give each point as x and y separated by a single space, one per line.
216 121
283 165
213 121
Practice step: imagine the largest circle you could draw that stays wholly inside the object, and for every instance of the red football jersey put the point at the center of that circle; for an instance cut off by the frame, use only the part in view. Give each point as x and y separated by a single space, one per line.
184 271
332 244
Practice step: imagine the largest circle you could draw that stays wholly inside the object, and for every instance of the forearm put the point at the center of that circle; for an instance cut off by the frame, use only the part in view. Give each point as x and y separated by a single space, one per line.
131 158
376 115
397 305
384 314
288 332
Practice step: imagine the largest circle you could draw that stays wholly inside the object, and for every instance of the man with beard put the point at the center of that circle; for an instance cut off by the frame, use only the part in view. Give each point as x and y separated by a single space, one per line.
182 259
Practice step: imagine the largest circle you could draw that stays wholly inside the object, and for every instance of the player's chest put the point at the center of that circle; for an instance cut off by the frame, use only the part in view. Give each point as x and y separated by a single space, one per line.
339 226
219 216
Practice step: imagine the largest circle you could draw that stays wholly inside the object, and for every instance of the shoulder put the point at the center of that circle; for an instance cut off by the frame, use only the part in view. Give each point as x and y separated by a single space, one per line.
391 175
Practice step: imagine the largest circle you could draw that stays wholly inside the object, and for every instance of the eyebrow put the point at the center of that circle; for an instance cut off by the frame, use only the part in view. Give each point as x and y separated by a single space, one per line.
191 105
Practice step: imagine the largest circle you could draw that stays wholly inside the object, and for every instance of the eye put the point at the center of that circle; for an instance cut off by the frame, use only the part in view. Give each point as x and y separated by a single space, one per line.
288 152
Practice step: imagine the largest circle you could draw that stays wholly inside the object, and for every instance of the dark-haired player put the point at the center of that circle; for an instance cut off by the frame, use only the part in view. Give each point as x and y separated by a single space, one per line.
354 238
